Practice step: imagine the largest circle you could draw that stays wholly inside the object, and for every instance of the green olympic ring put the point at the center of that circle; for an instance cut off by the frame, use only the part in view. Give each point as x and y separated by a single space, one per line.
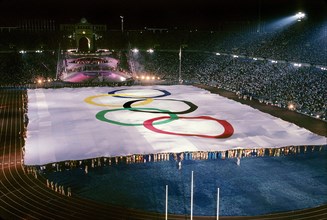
101 116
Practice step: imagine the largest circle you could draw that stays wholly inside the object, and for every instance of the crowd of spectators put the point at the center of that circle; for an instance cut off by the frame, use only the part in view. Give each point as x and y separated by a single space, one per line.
26 67
303 42
280 84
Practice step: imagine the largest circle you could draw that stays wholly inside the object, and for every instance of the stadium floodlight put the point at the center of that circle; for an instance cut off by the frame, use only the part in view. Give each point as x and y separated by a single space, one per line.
291 107
217 54
150 50
300 16
235 56
135 50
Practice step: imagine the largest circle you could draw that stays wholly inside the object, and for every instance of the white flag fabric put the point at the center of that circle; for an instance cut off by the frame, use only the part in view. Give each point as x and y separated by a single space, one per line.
81 123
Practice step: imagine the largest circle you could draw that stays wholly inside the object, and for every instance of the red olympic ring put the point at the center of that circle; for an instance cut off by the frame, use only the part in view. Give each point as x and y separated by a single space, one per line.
228 128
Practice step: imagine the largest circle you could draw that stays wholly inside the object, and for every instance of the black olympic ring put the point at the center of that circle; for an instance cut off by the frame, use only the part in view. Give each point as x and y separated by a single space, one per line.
190 104
165 93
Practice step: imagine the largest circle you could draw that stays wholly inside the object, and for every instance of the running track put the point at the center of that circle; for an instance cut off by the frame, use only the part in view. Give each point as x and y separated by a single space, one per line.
22 196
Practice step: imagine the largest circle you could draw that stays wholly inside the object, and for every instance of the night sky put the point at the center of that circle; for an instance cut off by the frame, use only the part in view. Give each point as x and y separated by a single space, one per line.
158 13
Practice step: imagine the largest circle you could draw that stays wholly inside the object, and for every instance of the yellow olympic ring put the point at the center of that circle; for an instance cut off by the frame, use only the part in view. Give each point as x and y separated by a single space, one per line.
89 100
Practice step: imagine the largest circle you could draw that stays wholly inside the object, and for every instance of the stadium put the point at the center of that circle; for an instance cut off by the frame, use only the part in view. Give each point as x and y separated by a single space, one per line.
226 122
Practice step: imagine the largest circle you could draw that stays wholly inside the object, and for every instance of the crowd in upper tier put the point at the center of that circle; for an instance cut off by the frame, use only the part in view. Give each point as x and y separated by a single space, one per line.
303 42
282 84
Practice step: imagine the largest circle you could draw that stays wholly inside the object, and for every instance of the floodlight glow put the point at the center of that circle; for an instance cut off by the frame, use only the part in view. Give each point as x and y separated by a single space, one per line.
135 50
300 15
39 81
22 51
285 22
291 107
122 78
297 64
217 54
150 50
255 58
148 77
235 56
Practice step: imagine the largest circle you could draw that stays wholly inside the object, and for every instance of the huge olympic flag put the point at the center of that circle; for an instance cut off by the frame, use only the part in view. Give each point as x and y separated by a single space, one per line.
80 123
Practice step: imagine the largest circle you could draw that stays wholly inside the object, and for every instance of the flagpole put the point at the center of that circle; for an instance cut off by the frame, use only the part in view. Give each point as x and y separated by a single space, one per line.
192 196
217 203
166 202
180 64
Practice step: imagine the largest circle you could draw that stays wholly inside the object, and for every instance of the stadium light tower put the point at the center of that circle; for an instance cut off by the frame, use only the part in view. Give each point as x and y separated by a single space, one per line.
299 16
122 23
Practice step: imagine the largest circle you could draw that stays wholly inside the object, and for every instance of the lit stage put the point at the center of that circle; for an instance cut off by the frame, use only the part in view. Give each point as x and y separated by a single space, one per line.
81 123
97 76
83 68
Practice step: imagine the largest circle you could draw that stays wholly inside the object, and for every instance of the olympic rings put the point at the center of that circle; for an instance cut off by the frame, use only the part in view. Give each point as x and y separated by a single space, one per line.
101 116
228 128
149 124
89 100
165 93
190 104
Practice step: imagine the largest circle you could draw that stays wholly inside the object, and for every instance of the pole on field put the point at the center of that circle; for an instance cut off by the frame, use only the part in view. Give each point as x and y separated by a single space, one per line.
180 65
217 203
192 196
166 203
